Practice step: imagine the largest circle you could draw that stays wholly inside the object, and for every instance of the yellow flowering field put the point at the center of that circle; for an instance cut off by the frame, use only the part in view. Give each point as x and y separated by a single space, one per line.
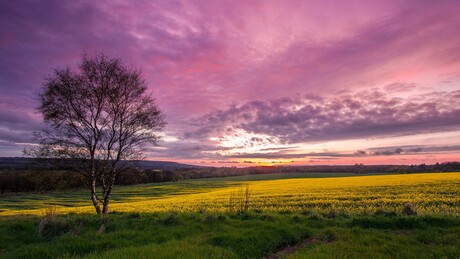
429 193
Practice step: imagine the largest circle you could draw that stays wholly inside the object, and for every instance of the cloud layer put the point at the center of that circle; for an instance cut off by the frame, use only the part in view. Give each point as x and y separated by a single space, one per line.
347 116
250 75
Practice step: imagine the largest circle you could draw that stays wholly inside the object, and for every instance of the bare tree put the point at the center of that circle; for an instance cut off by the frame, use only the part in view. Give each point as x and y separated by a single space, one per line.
99 116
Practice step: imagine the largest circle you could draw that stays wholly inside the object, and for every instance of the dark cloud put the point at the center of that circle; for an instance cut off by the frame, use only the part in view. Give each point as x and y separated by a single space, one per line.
378 151
349 116
396 151
185 150
249 162
16 127
360 152
407 150
286 155
226 162
17 119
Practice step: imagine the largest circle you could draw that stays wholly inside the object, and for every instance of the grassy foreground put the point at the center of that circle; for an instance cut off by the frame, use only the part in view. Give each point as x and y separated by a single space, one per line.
330 217
231 235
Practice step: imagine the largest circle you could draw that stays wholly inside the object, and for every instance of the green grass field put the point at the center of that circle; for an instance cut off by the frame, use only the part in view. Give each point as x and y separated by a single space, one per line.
287 216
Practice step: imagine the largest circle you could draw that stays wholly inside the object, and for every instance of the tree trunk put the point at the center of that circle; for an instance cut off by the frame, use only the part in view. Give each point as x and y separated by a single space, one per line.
108 191
94 197
105 206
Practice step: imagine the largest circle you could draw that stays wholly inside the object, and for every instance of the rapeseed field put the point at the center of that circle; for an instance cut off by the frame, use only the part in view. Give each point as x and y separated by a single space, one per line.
429 193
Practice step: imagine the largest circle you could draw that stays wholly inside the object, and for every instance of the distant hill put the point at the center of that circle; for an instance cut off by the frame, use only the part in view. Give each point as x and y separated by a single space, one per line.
22 162
163 165
14 162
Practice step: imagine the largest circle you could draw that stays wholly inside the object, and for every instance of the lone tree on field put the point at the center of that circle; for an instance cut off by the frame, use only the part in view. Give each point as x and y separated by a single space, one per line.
99 115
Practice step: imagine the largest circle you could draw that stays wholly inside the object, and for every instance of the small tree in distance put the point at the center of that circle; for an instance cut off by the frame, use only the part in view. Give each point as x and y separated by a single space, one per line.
98 116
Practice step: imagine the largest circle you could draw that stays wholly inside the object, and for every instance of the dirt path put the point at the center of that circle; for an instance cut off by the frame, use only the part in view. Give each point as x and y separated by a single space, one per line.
291 249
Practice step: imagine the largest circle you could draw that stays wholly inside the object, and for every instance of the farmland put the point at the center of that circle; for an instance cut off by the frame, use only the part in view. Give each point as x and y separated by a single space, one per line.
430 193
254 216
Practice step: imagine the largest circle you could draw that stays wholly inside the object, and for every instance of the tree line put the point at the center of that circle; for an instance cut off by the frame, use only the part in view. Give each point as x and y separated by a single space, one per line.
43 180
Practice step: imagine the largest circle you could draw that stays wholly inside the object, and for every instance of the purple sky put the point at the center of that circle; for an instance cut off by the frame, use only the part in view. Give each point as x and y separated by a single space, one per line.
256 82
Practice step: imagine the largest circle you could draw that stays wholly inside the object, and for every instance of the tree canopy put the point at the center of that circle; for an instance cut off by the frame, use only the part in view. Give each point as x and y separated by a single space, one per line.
98 115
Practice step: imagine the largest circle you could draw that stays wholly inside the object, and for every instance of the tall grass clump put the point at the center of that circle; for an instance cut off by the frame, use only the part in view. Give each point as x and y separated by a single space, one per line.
240 200
51 226
409 209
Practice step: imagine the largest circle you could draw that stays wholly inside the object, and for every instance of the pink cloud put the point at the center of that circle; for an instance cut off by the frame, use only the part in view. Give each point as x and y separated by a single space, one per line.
203 56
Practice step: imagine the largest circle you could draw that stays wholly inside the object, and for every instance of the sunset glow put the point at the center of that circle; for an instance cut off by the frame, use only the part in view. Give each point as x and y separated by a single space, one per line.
246 83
